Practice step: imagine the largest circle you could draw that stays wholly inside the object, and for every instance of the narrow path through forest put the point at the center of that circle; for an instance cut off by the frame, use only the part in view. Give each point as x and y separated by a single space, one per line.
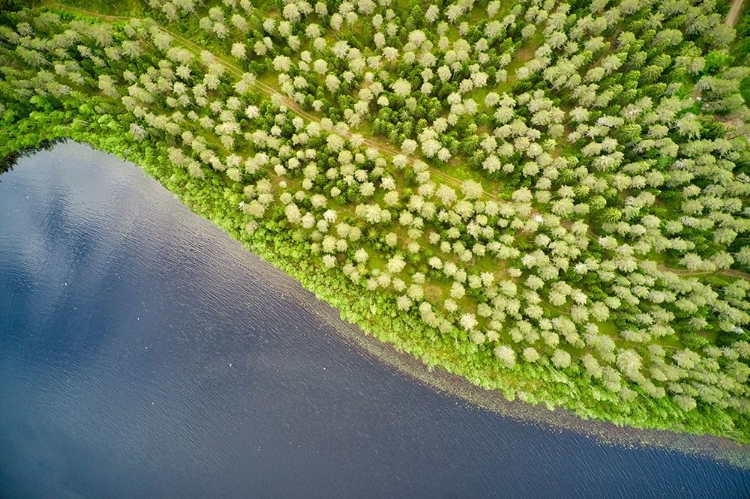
734 13
387 149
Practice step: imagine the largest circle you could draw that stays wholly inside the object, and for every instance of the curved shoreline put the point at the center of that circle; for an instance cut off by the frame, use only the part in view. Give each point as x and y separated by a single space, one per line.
439 379
452 385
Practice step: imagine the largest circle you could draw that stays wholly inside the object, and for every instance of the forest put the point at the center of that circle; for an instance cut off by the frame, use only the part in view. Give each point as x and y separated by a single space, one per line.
546 198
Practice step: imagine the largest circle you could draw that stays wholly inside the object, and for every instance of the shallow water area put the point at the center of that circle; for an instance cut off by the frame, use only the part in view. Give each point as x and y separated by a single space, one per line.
143 353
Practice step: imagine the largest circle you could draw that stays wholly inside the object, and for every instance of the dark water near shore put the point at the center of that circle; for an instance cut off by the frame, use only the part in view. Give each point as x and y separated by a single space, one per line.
145 354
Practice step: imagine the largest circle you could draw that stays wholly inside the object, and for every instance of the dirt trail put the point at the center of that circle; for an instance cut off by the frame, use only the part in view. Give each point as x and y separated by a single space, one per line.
734 13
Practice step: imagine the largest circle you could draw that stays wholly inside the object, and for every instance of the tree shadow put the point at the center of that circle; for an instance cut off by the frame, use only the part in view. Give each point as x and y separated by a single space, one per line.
8 162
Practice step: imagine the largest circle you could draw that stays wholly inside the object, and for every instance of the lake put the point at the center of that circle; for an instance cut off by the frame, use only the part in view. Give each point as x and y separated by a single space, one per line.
144 353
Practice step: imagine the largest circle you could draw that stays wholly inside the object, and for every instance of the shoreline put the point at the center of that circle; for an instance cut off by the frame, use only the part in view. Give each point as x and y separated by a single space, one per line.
557 420
321 301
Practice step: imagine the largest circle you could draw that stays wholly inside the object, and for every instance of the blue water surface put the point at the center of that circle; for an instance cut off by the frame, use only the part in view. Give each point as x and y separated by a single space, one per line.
143 353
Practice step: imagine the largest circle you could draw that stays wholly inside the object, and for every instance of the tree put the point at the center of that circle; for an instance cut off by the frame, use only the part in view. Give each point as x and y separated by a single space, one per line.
291 12
687 359
401 87
332 83
293 214
457 291
468 321
472 189
282 63
561 359
506 356
530 354
335 142
108 87
396 264
239 50
592 366
629 363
